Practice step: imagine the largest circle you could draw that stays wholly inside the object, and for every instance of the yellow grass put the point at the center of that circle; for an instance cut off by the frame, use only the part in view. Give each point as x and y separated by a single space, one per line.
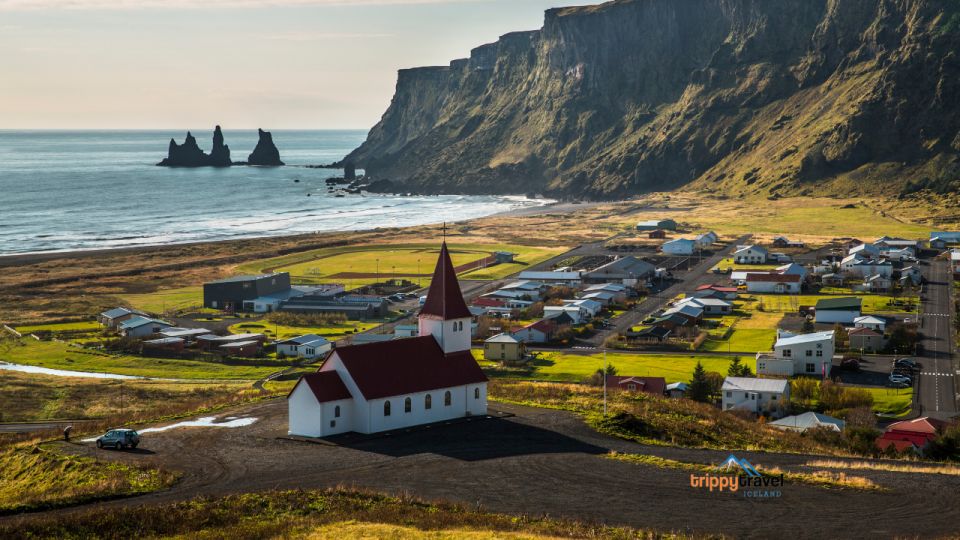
951 470
353 530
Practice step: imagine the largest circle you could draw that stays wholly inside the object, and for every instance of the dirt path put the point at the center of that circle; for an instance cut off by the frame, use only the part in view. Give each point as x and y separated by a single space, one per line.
537 462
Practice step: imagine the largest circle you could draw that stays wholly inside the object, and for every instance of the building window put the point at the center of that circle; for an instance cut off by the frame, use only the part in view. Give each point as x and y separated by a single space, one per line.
773 397
428 401
336 412
729 394
333 423
407 405
819 354
787 353
809 353
476 393
447 398
386 408
811 368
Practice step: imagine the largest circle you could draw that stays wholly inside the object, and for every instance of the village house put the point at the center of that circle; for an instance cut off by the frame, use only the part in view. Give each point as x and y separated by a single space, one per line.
712 307
798 354
399 383
672 321
503 348
112 318
911 276
911 434
168 344
577 314
784 242
832 280
706 239
871 322
138 327
807 421
619 291
692 313
626 270
877 283
259 294
604 298
657 234
887 243
793 269
758 396
955 263
651 334
677 390
212 342
541 331
680 246
186 334
241 349
867 251
858 266
504 257
944 239
567 277
352 306
530 289
716 291
750 255
307 346
649 385
773 282
866 340
654 224
406 330
838 310
591 307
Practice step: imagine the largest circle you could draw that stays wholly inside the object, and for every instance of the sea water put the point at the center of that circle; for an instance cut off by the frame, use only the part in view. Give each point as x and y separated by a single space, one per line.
81 190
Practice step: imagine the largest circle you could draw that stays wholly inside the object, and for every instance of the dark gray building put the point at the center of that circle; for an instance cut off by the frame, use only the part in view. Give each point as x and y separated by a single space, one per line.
230 294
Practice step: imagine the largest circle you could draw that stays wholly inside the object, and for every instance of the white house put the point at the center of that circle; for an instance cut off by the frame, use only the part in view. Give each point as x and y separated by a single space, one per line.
710 306
855 264
808 420
537 332
871 322
579 314
706 239
798 354
141 327
618 291
680 246
955 262
758 396
604 298
306 346
407 330
592 307
838 310
773 282
750 255
793 269
867 250
911 275
399 383
877 283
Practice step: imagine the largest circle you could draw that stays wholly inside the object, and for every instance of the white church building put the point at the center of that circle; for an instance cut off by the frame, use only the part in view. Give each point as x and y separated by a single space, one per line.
398 383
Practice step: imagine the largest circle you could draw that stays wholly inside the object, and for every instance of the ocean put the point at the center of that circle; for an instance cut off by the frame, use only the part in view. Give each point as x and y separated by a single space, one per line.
81 190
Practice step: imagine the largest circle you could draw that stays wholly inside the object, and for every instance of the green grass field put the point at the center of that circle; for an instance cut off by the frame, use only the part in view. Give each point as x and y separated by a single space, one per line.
55 355
186 298
331 331
784 303
82 326
564 367
405 260
754 333
891 401
727 263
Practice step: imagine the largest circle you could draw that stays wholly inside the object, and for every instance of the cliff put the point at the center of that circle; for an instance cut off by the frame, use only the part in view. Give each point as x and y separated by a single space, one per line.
738 96
265 153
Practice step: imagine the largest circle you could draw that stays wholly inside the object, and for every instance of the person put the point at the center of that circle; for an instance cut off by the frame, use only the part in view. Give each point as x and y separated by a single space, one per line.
66 433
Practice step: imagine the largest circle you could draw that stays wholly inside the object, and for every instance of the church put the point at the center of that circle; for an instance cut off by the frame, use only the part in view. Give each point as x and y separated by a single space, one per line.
399 383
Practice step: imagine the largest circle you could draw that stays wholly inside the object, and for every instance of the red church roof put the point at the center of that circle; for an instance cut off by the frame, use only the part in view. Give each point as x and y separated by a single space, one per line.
444 299
925 426
326 386
406 366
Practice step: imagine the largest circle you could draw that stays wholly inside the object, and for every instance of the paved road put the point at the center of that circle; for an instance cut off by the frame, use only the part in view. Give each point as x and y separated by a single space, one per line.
31 427
937 394
696 276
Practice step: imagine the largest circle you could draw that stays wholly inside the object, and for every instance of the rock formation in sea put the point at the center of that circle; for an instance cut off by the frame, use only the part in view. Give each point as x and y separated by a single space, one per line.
349 171
266 153
189 153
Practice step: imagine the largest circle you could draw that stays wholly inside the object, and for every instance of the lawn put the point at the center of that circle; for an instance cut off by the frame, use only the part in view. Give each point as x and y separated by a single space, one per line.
411 261
56 355
727 263
82 326
565 367
279 331
784 303
182 299
751 334
891 401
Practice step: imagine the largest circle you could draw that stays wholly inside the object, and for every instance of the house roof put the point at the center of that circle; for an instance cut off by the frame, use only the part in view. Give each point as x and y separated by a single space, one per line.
174 331
625 265
675 318
237 279
652 385
773 278
679 241
550 276
488 302
600 294
869 319
137 322
686 309
804 338
845 303
444 299
924 425
325 385
750 384
407 366
302 340
809 420
115 312
792 268
502 338
164 341
545 325
681 386
659 332
740 249
607 287
238 344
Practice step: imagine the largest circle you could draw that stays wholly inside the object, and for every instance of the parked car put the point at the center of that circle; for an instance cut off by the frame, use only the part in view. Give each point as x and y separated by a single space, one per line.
898 384
119 439
850 364
907 362
897 378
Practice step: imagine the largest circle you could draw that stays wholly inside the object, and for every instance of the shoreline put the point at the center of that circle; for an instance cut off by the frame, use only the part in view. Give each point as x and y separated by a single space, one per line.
23 259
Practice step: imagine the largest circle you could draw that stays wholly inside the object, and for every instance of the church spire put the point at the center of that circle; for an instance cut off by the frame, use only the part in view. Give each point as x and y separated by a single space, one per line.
444 299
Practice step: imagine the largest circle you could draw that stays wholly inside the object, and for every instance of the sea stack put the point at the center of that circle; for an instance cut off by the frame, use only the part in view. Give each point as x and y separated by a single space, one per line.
187 154
266 153
349 171
220 154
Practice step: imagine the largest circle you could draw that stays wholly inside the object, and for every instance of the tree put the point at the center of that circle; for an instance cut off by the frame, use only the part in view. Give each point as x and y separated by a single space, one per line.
808 326
738 369
601 374
699 385
840 335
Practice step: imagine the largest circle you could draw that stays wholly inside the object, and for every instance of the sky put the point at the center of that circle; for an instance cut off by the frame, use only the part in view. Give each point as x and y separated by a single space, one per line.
276 64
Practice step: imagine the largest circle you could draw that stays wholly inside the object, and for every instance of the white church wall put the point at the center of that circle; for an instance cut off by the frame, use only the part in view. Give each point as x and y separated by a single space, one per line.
305 413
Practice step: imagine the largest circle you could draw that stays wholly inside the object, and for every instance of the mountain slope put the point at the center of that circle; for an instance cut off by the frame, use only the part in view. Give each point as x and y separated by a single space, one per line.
740 96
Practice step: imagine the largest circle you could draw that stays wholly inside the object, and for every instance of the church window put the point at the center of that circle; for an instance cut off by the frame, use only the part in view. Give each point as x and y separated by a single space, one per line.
476 393
386 408
336 412
407 405
447 398
428 401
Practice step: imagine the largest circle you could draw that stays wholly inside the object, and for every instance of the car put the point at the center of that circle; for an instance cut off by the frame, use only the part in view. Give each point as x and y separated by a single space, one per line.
897 378
898 384
850 364
903 372
907 362
119 439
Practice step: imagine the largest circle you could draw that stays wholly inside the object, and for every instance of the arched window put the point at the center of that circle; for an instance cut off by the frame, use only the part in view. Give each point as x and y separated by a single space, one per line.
407 405
386 408
427 401
447 398
476 393
336 412
461 325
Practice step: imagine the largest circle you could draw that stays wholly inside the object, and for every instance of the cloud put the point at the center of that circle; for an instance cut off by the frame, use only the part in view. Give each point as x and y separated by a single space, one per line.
11 5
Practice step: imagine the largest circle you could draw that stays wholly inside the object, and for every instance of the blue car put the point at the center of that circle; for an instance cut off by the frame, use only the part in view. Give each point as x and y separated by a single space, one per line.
119 439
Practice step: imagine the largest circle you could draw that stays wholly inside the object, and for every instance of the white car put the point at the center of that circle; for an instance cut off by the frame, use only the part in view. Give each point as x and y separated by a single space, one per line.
897 378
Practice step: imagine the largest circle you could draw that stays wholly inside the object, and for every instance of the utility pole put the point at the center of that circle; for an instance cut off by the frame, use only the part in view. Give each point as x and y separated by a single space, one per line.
605 368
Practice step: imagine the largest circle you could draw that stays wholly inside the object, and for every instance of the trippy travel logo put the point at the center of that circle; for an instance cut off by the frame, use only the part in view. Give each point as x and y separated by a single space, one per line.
739 475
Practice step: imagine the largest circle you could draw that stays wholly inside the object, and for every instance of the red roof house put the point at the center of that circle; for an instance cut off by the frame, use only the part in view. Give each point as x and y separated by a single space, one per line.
918 432
651 385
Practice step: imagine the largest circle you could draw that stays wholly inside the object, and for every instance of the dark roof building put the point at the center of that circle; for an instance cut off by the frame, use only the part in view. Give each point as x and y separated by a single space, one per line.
230 294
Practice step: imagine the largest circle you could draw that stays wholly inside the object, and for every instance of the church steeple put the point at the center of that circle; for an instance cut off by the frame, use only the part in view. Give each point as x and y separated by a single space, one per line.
445 315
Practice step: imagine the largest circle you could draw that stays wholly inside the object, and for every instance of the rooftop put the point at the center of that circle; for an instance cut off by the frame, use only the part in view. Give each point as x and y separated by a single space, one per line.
804 338
750 384
237 279
844 303
444 299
